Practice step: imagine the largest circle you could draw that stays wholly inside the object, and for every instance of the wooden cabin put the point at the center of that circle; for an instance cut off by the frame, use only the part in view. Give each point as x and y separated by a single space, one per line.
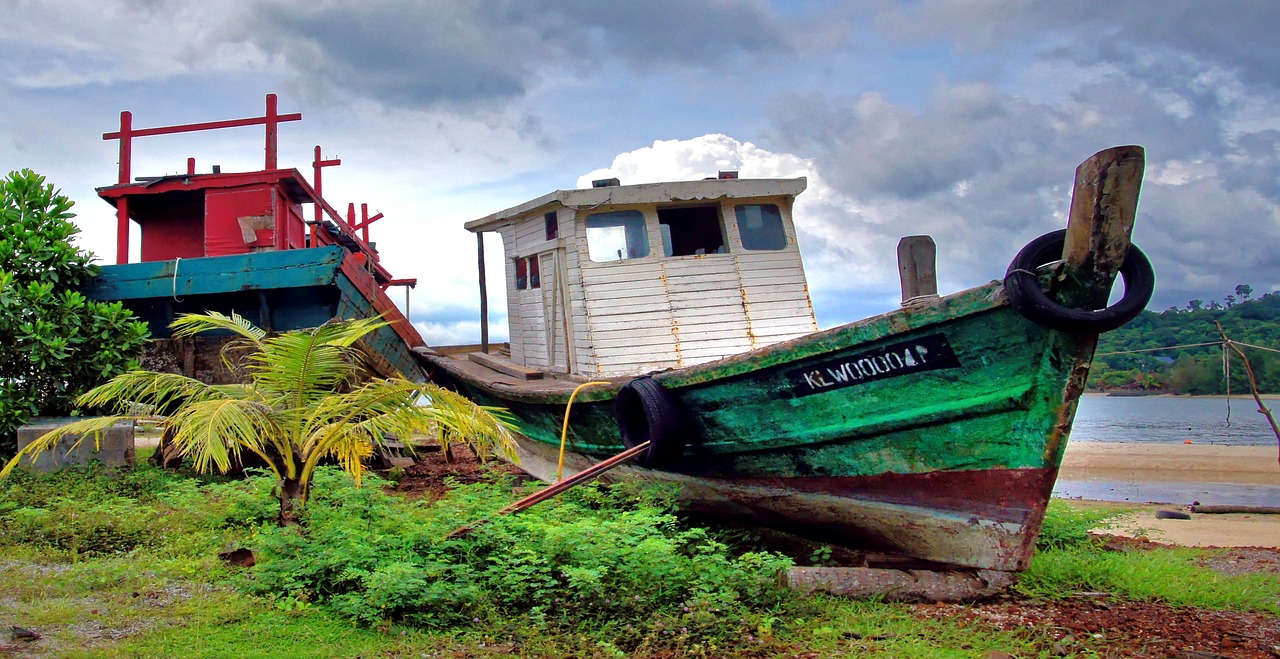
620 280
197 215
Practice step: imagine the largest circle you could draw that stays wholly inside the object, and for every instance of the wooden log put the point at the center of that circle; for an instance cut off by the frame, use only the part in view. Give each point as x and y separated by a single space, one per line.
1254 510
917 269
1104 204
901 585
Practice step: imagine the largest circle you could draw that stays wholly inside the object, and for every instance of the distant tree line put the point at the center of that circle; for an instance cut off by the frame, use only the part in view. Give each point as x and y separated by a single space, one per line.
1192 370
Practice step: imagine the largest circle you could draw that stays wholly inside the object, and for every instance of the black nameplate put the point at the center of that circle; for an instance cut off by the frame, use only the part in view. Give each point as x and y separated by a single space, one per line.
928 353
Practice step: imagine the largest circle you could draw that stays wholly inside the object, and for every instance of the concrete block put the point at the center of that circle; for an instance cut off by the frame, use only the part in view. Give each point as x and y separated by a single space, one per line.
114 447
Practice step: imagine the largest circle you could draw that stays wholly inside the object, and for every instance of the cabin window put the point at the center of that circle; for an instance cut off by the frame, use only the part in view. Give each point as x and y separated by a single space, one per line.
522 275
760 226
552 225
691 230
535 280
616 236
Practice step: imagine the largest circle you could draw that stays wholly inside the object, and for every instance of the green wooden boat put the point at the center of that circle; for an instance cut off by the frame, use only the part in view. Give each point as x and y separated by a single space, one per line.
678 314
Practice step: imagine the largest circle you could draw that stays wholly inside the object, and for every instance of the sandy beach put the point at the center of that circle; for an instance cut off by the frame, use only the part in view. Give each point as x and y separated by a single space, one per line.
1187 465
1198 463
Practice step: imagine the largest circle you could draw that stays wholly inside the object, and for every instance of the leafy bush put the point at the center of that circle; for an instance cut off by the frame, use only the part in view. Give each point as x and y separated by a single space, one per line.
598 558
83 528
54 343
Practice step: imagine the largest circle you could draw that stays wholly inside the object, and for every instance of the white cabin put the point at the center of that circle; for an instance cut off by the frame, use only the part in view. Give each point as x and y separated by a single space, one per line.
623 280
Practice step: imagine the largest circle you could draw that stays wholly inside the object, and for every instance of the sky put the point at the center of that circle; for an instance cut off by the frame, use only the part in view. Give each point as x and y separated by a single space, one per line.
961 119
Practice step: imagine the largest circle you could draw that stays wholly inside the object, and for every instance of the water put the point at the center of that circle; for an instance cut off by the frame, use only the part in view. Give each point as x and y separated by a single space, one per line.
1173 420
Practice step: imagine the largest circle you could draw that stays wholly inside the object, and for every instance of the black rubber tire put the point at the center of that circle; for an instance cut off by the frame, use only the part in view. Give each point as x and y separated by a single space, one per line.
645 411
1030 300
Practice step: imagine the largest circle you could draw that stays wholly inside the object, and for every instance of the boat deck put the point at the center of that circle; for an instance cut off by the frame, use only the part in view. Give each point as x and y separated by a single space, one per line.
494 371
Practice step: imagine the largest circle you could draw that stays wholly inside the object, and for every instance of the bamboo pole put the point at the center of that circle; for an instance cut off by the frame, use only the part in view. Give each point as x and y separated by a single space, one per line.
552 490
1253 384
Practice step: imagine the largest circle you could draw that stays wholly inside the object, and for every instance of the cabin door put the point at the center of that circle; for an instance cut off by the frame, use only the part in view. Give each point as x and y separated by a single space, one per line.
557 322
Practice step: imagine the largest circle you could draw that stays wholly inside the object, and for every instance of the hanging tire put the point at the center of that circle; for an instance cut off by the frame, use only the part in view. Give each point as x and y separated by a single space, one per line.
1034 304
646 412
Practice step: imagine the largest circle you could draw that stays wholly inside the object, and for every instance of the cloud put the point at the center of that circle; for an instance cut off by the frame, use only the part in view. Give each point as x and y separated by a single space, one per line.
984 171
434 53
1234 34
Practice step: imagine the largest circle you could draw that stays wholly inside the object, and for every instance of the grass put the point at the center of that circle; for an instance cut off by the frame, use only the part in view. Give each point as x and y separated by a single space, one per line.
602 573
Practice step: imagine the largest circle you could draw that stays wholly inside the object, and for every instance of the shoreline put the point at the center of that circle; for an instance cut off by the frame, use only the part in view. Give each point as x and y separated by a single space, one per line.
1234 396
1167 462
1137 476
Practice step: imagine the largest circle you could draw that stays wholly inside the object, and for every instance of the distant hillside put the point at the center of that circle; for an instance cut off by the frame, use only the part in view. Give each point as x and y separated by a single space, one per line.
1192 370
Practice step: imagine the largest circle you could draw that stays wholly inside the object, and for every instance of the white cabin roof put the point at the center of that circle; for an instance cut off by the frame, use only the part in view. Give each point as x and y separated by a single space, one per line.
647 193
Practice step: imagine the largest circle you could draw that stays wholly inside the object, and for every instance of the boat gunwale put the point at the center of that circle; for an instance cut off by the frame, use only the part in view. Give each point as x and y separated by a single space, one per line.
979 299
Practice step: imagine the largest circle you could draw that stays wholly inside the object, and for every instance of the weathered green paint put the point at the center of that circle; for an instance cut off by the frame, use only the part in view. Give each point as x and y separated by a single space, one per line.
953 465
997 410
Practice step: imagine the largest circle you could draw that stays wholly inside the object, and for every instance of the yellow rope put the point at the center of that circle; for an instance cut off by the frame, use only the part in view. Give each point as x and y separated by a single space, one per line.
564 432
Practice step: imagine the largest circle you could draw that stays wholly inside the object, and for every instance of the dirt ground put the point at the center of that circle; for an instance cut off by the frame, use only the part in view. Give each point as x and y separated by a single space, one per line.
1083 623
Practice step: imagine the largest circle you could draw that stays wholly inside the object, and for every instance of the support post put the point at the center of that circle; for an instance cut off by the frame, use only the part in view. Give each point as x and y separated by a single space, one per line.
1104 205
272 120
122 230
484 295
917 268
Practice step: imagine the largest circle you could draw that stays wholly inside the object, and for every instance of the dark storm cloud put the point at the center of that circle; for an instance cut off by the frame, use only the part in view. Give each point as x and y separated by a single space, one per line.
1236 34
435 52
983 171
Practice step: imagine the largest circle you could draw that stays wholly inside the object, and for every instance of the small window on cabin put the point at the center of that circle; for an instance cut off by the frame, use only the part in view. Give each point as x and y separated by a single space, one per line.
760 226
535 280
691 231
616 236
552 224
522 275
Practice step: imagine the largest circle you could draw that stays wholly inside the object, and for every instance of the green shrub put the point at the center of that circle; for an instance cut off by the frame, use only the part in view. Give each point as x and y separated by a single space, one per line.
595 559
54 343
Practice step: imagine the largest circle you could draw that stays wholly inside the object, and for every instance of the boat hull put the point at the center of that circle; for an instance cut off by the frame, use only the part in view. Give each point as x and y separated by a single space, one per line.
276 290
935 432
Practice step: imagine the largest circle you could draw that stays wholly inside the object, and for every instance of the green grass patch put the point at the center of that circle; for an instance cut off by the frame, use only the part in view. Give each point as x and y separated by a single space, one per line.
127 565
1168 575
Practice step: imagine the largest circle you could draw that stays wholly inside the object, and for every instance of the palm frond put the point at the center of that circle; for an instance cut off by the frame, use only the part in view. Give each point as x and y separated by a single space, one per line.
249 337
486 429
190 324
213 433
157 392
301 366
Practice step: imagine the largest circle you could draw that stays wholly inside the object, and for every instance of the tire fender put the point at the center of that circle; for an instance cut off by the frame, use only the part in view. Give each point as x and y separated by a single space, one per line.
645 411
1034 304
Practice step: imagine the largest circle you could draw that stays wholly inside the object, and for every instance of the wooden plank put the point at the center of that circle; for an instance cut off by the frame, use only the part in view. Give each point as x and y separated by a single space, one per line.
496 363
294 268
1104 205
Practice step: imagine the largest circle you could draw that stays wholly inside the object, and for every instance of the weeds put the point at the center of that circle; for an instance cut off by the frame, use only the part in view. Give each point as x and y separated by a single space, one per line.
127 566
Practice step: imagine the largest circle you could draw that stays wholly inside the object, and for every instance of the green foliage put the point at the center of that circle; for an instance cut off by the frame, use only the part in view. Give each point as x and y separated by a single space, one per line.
304 403
1172 576
369 556
1067 526
1194 370
54 343
596 559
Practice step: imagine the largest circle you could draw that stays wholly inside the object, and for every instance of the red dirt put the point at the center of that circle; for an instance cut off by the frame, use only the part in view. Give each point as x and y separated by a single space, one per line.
1085 623
426 477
